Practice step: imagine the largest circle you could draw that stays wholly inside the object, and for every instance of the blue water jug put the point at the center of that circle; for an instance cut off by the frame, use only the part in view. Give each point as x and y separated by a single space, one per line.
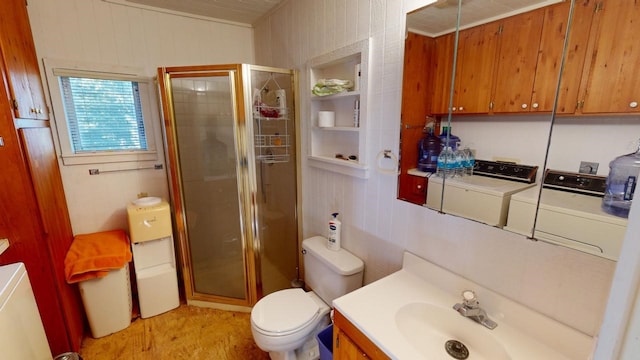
621 183
447 139
428 151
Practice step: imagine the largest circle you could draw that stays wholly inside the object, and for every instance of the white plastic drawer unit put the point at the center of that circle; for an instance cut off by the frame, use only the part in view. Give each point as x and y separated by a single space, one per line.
23 335
478 198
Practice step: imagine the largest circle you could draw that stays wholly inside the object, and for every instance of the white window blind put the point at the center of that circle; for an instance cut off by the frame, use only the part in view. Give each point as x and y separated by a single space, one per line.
103 115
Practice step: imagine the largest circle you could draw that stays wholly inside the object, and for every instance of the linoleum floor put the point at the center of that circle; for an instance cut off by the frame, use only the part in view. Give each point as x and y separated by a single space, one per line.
187 332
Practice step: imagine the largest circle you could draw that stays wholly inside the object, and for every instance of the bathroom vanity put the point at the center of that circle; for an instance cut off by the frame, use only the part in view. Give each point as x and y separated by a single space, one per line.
350 343
409 315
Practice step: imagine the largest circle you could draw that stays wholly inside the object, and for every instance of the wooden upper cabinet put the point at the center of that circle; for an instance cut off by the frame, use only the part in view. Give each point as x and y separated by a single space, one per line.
556 17
20 64
442 71
517 58
474 70
612 84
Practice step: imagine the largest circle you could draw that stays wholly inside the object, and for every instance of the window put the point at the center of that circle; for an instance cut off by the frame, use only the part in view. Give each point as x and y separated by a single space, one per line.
101 115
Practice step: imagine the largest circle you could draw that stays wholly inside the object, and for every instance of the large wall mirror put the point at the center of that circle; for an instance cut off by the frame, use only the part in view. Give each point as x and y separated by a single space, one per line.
543 111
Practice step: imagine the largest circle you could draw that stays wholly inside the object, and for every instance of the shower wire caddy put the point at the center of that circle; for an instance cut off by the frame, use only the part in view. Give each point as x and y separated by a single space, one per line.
272 140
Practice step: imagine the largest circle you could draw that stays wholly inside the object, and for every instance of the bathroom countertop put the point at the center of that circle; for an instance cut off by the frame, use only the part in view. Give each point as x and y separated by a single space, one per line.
525 334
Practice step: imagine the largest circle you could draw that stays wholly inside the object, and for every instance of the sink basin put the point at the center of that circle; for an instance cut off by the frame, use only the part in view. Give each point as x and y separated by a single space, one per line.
408 315
428 327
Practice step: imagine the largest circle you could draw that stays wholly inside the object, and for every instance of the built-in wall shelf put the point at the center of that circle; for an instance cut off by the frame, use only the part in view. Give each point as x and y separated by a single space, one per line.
347 167
329 146
338 128
352 93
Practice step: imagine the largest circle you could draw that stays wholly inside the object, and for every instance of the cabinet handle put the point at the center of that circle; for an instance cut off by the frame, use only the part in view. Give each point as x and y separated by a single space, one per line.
454 108
461 108
524 106
633 104
419 187
534 105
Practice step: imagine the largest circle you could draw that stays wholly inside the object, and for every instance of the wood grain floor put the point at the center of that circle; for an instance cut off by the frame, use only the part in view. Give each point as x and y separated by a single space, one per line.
187 332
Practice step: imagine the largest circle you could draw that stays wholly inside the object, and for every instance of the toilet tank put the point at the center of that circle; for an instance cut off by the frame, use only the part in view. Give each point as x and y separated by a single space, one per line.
330 274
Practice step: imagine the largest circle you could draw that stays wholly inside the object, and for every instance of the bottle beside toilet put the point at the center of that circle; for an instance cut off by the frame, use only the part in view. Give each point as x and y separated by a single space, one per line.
335 227
286 322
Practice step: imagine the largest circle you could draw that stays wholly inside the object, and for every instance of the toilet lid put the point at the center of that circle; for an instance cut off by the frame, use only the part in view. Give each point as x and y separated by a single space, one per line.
284 311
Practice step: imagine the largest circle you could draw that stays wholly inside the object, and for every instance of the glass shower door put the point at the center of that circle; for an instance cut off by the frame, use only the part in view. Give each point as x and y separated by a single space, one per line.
276 183
205 131
233 177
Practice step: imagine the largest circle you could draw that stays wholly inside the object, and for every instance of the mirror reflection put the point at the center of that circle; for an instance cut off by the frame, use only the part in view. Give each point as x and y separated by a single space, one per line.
506 73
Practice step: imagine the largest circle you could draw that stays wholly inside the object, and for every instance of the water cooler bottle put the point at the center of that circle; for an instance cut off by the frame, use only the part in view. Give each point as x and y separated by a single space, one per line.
153 256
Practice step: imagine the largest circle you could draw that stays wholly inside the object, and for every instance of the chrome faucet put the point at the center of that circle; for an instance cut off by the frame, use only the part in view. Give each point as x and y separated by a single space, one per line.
470 307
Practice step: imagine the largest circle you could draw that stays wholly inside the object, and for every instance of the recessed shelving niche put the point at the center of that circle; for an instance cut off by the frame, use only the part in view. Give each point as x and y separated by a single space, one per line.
334 148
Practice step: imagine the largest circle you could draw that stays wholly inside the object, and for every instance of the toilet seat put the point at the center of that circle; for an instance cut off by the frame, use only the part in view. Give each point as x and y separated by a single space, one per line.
284 312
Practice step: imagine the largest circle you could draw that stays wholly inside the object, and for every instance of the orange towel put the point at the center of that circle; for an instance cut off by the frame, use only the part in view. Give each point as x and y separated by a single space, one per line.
94 255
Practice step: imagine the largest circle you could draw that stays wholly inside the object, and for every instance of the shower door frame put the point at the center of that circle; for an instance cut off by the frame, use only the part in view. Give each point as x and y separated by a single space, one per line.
246 178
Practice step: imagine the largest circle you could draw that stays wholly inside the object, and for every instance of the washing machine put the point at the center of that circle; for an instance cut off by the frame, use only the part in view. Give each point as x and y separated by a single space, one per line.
569 214
483 196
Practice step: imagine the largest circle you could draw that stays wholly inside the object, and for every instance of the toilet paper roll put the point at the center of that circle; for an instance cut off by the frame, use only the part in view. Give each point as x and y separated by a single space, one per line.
326 118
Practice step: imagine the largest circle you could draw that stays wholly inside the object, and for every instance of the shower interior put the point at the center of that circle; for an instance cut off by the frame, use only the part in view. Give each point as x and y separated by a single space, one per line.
234 179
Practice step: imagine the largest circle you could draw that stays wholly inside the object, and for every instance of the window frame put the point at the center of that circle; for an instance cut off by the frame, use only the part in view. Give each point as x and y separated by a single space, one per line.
55 69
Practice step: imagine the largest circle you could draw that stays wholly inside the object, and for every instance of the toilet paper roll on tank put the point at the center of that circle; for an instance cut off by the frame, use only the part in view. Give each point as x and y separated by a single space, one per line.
326 119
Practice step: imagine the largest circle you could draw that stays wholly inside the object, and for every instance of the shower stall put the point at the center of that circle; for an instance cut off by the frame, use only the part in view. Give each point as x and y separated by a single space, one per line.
231 145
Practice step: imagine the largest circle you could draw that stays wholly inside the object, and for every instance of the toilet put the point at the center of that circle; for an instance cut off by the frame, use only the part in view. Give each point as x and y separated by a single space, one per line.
285 323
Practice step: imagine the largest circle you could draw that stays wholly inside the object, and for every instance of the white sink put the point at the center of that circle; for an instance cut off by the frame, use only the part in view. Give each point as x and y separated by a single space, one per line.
428 327
409 315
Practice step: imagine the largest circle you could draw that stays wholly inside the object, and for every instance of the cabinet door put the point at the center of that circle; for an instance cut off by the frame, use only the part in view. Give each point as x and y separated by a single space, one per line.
20 62
517 58
20 222
346 349
413 189
47 183
474 70
417 81
613 84
576 50
442 71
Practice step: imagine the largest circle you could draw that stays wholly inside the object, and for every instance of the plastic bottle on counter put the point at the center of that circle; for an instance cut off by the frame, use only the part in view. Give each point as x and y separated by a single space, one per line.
334 233
428 151
621 184
469 161
459 162
446 163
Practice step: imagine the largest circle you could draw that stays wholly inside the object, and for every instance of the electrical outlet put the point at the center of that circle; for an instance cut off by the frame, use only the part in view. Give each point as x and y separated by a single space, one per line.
587 167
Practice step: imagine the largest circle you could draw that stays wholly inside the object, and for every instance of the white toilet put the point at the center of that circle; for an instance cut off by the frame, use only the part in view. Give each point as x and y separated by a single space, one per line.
285 323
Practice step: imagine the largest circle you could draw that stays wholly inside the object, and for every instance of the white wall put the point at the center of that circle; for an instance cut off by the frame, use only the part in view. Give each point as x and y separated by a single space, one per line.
567 285
100 32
